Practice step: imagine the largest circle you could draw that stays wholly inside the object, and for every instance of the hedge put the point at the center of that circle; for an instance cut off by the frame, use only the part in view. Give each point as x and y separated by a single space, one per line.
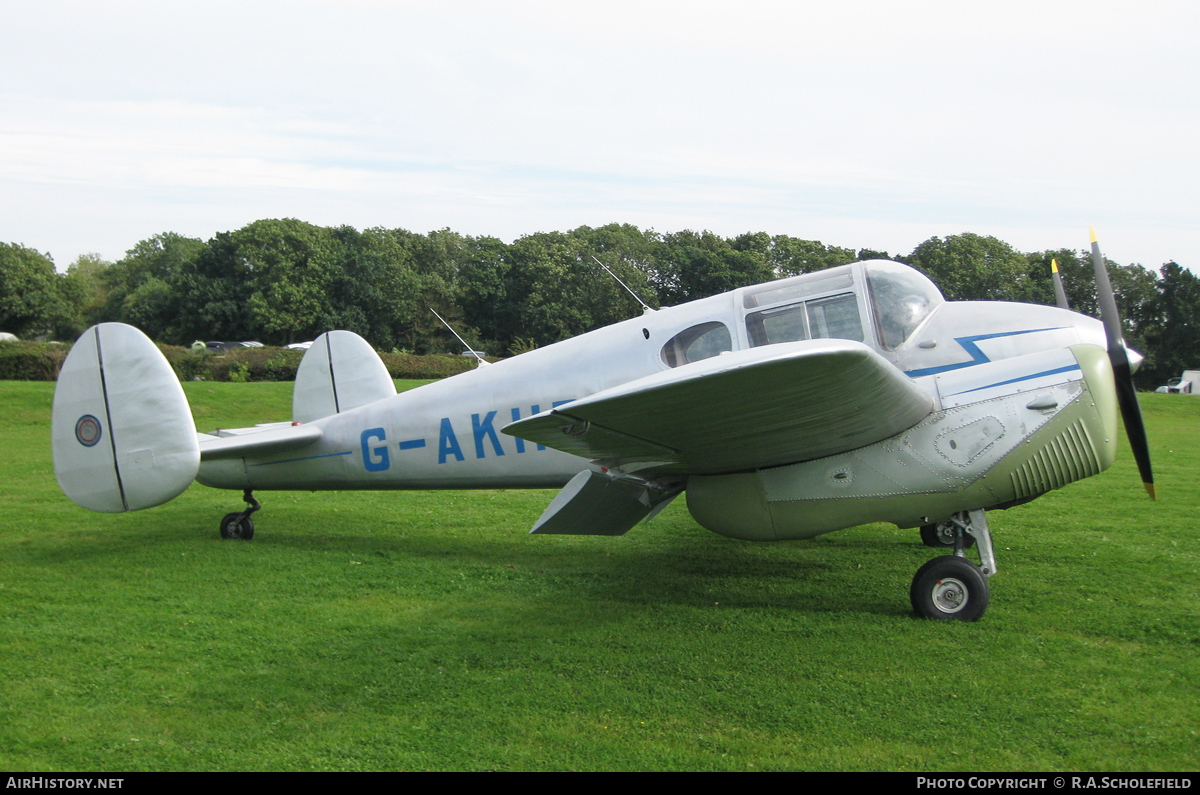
31 361
41 361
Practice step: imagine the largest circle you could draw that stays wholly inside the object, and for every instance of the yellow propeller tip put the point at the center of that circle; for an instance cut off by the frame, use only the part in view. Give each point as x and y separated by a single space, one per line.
1054 266
1150 490
1093 233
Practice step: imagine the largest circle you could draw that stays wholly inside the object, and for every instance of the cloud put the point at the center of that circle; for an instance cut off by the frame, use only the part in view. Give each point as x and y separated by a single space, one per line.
861 124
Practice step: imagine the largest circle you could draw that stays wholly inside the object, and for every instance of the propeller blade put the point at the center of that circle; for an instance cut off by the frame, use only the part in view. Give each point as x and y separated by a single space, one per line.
1060 295
1131 412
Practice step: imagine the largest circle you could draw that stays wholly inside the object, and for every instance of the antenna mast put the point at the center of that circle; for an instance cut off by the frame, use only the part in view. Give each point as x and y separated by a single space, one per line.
645 307
470 348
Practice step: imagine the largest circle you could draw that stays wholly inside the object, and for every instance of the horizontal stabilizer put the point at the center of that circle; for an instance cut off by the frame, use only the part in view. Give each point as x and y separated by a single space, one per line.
340 372
121 430
761 407
257 442
595 505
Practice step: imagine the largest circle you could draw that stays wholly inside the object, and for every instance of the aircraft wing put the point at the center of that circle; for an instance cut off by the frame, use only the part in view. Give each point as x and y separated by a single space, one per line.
761 407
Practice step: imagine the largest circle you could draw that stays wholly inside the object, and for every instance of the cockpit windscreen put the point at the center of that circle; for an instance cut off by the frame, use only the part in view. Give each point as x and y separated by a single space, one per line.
902 298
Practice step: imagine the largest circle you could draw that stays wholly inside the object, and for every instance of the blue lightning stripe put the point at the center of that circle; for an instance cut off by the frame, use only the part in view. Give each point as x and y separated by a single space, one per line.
977 356
293 460
412 444
1030 377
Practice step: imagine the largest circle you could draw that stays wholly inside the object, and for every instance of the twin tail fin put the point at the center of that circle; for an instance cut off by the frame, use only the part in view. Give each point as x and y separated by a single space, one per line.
121 429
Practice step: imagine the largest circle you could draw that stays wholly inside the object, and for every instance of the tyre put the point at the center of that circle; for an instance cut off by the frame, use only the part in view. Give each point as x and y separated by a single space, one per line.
234 526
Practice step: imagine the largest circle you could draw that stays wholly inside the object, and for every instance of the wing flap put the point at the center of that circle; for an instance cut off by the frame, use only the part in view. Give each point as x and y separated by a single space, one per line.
755 408
595 505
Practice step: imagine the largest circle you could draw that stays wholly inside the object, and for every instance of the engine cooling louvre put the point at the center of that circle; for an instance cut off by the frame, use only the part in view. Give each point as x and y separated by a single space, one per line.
1068 457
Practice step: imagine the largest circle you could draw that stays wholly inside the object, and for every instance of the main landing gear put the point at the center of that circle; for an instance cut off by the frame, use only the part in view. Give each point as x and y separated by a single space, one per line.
952 588
239 525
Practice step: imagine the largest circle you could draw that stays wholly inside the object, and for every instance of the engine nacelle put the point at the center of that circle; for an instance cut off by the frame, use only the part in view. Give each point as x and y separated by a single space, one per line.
1020 440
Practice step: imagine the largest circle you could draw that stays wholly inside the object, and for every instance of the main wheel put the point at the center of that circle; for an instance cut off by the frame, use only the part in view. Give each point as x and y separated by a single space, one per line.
950 588
942 535
236 527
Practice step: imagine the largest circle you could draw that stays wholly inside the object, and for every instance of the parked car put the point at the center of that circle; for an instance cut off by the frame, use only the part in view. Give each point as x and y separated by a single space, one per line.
1187 384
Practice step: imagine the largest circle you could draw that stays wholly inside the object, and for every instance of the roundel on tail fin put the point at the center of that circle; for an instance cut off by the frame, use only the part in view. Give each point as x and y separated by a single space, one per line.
121 429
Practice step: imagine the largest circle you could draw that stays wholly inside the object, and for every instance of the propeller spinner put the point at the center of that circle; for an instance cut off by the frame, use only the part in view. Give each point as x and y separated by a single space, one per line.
1131 412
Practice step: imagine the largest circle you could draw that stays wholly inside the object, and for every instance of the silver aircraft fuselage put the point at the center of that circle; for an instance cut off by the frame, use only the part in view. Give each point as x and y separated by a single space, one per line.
448 434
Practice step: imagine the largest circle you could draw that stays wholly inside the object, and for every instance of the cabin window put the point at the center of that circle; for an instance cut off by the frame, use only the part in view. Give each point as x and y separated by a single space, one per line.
835 317
697 343
781 324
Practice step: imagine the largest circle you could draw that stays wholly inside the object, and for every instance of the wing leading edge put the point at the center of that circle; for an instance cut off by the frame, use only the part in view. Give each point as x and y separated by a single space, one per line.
761 407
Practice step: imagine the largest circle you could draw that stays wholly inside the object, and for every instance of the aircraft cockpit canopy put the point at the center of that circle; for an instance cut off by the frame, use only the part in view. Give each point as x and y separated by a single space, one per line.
838 303
901 299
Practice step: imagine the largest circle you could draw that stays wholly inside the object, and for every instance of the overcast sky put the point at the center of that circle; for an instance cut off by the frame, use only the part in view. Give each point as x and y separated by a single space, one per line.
860 124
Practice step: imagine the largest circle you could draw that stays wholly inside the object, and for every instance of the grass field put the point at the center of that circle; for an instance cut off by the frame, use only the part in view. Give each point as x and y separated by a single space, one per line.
426 630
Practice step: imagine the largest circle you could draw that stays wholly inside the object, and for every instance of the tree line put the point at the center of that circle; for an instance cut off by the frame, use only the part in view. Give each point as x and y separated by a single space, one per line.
283 281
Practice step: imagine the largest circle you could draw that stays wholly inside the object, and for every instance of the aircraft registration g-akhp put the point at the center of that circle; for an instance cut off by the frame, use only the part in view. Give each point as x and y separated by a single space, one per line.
784 411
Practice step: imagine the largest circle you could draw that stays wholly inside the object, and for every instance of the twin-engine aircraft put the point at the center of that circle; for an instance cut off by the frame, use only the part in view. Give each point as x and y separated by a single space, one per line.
783 411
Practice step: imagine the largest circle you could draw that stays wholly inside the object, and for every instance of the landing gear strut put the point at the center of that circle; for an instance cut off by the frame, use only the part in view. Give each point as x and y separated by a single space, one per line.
239 525
951 587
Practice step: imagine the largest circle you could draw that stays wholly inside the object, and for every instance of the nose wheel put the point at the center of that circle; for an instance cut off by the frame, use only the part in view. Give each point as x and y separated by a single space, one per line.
239 525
